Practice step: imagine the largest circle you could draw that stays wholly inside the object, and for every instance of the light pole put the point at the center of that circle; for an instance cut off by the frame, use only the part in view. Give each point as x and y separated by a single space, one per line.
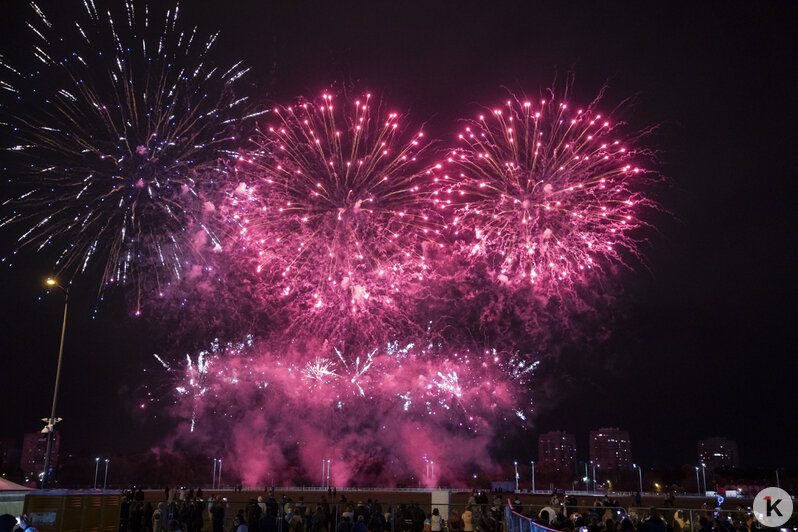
432 479
105 482
594 478
704 475
50 427
96 468
697 482
516 474
533 476
427 476
219 478
587 480
778 484
328 473
213 479
639 476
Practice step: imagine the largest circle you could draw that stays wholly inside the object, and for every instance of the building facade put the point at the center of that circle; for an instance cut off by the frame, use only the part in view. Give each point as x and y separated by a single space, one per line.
610 448
558 448
718 453
34 447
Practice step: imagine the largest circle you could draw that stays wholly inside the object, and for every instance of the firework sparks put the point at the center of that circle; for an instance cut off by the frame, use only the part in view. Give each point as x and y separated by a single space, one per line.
392 398
455 389
543 192
330 201
117 129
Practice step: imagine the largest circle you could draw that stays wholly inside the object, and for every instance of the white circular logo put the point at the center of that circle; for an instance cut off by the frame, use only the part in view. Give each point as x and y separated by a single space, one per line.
772 507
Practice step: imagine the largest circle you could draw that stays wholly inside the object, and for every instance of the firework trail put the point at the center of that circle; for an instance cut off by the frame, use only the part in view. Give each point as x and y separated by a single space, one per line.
330 202
404 400
115 133
543 193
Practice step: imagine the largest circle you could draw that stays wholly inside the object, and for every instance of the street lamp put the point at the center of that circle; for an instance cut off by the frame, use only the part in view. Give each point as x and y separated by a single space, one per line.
427 476
516 475
640 477
105 482
52 420
704 475
587 480
96 468
697 482
533 476
219 478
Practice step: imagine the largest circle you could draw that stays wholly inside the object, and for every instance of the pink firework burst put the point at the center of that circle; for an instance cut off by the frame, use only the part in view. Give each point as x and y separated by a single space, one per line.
402 400
543 192
329 200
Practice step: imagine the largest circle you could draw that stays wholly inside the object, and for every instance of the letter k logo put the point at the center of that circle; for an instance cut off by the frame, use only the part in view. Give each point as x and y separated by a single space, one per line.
772 507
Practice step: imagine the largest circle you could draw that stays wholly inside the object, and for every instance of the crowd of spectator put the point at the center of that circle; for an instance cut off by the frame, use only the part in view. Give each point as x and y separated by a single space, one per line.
606 515
187 510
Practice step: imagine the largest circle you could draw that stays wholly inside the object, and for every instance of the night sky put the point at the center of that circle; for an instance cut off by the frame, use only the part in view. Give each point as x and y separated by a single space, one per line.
706 344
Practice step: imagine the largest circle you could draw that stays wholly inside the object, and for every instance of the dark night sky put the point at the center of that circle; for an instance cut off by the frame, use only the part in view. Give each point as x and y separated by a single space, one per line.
709 342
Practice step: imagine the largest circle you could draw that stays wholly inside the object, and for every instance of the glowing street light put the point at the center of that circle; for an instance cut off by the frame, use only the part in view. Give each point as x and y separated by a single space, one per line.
697 482
704 475
105 482
516 475
96 468
640 477
49 428
533 476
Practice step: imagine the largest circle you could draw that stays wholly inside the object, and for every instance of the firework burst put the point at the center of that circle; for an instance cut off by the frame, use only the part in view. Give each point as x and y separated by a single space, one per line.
330 202
115 133
544 193
384 397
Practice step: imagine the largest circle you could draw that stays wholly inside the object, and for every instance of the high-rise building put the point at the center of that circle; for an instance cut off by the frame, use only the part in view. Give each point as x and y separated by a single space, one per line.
6 450
34 447
559 449
718 452
610 449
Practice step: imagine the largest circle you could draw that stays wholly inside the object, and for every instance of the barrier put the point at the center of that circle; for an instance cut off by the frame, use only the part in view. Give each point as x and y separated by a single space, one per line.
515 522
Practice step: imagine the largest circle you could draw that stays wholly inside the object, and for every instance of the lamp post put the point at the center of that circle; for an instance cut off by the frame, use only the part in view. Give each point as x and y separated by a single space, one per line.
516 474
213 479
328 473
426 478
432 478
50 427
594 477
704 475
96 468
778 484
697 482
105 481
219 478
533 476
639 476
587 480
